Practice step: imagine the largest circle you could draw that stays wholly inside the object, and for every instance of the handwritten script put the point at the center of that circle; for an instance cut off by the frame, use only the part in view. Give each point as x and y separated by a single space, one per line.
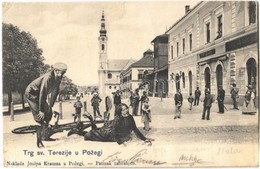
191 160
136 158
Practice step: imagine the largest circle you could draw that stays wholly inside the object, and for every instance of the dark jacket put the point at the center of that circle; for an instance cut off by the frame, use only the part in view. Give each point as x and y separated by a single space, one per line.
178 98
38 90
117 99
197 93
95 100
221 95
208 100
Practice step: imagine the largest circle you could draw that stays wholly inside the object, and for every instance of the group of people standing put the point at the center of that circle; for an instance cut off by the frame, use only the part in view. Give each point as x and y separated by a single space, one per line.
248 106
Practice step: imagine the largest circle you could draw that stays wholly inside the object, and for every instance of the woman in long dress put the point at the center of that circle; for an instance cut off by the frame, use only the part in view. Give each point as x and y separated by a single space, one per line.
249 103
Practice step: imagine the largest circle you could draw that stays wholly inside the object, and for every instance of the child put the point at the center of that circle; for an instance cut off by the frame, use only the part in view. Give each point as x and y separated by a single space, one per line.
146 115
190 100
78 105
95 104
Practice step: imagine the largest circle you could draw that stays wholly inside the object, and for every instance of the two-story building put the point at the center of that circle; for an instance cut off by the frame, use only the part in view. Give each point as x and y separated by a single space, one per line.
214 44
157 81
132 77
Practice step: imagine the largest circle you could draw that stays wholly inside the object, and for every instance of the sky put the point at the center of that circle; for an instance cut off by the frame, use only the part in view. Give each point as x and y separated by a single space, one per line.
68 31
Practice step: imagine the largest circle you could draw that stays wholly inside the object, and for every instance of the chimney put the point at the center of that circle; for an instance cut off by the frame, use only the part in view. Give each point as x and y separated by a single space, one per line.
187 9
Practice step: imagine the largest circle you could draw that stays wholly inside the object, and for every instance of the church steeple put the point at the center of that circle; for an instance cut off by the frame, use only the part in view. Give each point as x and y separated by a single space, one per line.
103 31
103 44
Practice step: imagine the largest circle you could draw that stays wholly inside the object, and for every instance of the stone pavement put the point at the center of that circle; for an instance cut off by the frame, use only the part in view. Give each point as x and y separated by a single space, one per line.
162 117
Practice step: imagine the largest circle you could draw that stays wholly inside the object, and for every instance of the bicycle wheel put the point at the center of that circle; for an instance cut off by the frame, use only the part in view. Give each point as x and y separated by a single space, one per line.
25 129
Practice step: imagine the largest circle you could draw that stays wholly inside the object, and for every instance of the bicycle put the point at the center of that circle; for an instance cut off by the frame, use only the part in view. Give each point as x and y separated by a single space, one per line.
48 131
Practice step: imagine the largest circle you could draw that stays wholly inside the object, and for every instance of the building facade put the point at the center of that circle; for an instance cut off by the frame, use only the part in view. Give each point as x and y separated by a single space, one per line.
157 80
214 44
109 69
132 77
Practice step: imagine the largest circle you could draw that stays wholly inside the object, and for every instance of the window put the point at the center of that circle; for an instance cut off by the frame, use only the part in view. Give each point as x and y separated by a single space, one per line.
140 75
114 87
183 80
219 28
110 87
183 45
103 47
190 39
207 32
109 75
177 48
252 12
172 52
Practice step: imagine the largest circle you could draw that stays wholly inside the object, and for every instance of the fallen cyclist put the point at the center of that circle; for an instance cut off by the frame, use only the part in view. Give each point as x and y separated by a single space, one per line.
118 130
36 95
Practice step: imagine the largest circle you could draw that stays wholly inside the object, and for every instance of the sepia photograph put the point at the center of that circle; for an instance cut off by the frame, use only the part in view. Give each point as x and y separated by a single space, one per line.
130 84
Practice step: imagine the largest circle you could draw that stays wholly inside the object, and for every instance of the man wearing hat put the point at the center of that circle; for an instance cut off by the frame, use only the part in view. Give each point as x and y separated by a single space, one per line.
36 95
95 104
117 98
234 95
178 104
221 98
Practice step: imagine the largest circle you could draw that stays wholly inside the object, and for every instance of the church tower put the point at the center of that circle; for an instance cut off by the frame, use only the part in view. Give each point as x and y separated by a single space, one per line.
102 55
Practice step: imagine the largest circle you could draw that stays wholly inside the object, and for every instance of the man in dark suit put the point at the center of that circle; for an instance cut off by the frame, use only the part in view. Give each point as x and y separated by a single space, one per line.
221 98
36 95
197 94
178 104
117 98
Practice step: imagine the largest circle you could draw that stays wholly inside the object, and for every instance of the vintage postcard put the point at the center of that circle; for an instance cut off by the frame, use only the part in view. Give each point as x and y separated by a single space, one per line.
130 84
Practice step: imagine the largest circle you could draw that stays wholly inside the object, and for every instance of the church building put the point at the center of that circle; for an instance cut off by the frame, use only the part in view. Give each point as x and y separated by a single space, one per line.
109 69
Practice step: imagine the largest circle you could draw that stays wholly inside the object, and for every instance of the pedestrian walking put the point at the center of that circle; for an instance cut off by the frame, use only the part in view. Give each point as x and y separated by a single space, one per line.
78 106
143 99
146 114
249 103
135 102
190 100
37 93
234 95
117 98
220 99
95 104
197 94
207 105
178 104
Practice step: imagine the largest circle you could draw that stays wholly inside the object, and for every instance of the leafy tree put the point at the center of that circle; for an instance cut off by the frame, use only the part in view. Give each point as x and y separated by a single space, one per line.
22 60
67 88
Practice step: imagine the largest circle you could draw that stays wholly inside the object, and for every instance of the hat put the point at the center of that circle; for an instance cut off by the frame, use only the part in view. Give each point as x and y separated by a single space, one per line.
60 66
250 86
234 84
95 93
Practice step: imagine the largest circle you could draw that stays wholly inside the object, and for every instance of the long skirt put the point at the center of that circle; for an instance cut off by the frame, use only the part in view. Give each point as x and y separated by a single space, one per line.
249 108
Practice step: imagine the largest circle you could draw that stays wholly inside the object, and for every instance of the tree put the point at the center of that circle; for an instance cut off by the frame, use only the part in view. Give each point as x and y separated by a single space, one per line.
67 88
22 60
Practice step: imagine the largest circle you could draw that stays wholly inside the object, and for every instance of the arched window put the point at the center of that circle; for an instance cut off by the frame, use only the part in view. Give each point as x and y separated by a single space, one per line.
183 79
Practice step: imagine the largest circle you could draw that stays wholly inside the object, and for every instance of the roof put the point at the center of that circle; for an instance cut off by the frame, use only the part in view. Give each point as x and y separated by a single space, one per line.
161 38
186 14
148 51
130 62
147 61
117 64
